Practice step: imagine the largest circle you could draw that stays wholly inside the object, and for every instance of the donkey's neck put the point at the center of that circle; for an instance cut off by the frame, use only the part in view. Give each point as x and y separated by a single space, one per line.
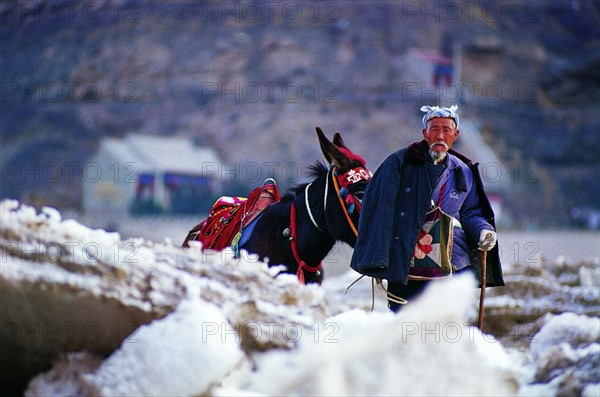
314 239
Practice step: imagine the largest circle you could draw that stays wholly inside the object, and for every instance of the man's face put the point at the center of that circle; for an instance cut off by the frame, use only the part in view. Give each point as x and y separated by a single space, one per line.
440 134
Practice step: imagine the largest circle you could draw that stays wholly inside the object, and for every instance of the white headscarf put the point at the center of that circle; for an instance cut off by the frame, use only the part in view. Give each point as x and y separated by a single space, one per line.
436 111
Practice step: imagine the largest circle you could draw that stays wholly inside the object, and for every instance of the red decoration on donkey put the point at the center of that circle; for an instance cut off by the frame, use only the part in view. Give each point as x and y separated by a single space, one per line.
229 216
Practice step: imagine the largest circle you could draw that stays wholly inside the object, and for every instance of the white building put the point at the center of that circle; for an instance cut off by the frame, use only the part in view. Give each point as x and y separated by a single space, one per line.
150 174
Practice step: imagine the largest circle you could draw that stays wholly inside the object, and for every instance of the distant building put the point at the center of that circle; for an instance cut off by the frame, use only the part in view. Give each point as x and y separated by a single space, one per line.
142 174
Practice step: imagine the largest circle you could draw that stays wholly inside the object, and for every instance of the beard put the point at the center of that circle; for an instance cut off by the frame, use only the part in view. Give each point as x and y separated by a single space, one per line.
437 157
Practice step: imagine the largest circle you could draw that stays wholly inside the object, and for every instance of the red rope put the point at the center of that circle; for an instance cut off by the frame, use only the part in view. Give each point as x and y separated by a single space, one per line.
337 192
294 243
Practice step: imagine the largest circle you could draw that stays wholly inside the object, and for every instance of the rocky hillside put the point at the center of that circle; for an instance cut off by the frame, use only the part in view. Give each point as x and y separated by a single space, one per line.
254 78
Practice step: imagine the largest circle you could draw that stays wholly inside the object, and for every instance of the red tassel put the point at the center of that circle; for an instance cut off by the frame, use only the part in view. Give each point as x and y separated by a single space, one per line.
300 275
353 156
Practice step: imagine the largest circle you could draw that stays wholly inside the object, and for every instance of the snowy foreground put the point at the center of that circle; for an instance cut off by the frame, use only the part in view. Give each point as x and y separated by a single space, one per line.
86 313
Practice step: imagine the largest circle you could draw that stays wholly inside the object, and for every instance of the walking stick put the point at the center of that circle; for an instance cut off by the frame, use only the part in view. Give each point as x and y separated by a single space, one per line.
482 260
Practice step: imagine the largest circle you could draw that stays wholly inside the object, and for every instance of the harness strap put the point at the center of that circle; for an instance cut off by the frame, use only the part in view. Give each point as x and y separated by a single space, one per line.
377 281
312 218
337 191
390 296
302 266
372 290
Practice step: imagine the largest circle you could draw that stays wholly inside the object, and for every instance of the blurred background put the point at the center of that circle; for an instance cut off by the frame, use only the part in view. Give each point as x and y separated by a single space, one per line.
135 116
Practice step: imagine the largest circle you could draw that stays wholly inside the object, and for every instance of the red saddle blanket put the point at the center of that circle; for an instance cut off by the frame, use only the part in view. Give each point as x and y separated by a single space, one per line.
229 215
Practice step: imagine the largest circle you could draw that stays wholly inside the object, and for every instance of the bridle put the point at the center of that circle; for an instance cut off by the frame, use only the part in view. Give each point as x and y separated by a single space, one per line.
347 198
348 201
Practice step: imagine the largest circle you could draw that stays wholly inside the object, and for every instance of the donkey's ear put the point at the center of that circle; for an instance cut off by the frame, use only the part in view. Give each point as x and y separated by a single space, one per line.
325 144
330 150
338 141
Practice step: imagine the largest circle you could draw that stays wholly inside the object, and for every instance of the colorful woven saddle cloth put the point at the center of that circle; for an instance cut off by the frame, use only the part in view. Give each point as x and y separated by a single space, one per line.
229 216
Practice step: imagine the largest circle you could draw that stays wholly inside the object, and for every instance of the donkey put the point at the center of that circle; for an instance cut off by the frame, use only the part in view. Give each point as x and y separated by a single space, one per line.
299 230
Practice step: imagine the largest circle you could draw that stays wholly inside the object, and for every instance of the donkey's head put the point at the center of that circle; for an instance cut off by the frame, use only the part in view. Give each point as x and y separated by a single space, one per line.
346 183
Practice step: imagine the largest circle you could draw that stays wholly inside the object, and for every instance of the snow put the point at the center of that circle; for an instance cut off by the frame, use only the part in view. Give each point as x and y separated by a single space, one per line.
591 390
566 356
219 326
590 278
418 352
177 355
65 378
575 330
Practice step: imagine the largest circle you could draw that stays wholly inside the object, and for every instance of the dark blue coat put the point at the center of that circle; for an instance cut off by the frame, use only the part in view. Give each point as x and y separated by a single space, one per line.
394 206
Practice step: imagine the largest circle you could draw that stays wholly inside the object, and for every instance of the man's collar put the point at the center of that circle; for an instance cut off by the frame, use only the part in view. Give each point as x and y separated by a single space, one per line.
417 152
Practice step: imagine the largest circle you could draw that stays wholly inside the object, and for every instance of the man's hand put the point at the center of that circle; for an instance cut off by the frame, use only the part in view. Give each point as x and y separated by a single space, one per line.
487 240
